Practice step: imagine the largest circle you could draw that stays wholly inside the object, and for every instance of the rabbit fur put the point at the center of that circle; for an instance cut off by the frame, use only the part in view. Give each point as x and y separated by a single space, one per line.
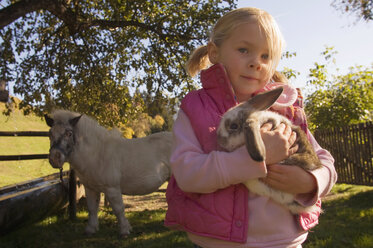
241 124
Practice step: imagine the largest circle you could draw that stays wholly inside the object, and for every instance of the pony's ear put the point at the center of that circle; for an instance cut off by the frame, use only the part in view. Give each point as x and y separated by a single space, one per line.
74 120
49 120
265 100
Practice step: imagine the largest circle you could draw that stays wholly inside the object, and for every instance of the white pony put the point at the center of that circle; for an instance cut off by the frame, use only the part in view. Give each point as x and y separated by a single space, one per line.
106 162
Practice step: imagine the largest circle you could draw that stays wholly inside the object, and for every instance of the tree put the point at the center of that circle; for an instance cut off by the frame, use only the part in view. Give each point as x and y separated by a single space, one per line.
339 100
362 8
288 72
88 55
158 104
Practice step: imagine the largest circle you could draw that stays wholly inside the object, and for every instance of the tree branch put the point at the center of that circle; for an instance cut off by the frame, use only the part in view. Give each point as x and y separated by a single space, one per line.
19 9
14 11
153 28
60 9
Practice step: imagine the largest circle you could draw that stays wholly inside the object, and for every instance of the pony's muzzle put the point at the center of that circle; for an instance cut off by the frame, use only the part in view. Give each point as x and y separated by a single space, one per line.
56 158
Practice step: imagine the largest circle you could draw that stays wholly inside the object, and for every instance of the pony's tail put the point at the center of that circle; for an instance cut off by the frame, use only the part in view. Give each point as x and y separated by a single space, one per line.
197 61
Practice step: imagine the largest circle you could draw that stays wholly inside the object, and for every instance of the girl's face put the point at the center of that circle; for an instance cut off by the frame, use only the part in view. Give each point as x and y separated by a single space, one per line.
245 56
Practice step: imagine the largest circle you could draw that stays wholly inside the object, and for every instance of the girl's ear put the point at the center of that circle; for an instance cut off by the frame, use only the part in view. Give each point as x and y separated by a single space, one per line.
213 52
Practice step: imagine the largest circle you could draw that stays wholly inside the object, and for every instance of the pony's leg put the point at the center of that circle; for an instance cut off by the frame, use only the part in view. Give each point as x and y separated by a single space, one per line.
116 201
93 200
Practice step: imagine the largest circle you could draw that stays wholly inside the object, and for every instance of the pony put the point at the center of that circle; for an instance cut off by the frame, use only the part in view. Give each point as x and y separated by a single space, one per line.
106 162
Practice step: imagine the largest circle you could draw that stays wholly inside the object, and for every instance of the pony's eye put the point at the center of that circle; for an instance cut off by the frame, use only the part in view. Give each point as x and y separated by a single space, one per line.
68 133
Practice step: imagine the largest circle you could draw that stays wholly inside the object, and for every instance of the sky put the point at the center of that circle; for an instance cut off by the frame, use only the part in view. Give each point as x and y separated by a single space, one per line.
310 26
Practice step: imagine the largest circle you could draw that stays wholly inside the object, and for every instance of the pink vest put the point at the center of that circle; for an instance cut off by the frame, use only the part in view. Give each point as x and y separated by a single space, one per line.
192 212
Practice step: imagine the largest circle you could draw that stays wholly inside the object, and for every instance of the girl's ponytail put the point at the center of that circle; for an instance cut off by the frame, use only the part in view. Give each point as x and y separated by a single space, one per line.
279 77
197 61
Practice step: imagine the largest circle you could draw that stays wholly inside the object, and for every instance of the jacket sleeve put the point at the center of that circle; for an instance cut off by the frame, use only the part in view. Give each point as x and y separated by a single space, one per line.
198 172
325 177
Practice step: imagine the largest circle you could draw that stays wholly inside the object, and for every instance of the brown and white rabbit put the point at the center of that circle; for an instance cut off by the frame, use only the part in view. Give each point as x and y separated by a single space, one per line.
241 125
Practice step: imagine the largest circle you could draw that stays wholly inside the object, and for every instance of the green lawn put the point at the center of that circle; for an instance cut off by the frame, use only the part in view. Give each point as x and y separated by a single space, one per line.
148 231
18 171
12 172
346 222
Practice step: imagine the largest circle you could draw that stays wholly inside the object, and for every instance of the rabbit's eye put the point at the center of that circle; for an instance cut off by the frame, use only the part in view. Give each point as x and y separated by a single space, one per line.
233 126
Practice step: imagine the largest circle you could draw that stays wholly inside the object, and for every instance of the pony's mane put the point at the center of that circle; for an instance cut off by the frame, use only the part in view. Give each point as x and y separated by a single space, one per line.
87 126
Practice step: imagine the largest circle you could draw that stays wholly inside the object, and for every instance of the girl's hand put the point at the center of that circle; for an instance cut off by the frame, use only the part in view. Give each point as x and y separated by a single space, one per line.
289 178
278 143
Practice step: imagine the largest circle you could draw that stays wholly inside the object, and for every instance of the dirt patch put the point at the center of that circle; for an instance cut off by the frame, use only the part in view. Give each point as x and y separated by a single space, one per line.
138 203
152 201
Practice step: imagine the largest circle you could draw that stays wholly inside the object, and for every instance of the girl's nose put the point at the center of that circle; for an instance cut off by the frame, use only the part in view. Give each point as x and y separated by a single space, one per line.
255 64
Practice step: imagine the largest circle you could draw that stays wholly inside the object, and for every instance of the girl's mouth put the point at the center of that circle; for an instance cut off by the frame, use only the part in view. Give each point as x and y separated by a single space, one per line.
249 78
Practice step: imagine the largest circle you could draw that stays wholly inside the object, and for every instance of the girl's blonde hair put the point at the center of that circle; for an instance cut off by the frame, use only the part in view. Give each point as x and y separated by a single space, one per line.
226 24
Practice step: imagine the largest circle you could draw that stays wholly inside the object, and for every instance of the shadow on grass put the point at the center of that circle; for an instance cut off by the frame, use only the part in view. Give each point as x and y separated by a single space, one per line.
59 232
346 222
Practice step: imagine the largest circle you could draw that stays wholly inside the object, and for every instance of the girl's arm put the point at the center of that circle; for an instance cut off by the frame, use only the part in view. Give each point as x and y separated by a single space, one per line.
198 172
308 186
325 177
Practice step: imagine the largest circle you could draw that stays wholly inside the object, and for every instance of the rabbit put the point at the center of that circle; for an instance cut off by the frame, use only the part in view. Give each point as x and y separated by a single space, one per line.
241 125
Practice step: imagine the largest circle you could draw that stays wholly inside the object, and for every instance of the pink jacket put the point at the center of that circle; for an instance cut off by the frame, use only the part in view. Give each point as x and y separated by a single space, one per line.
225 205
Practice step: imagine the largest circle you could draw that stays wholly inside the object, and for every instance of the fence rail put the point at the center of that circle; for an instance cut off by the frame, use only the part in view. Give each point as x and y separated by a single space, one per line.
352 149
55 188
22 157
27 134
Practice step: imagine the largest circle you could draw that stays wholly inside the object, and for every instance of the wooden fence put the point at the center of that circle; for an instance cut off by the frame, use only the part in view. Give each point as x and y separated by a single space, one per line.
34 199
352 149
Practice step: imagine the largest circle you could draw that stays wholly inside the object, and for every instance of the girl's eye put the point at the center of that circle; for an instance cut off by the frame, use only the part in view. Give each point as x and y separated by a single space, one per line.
243 50
265 56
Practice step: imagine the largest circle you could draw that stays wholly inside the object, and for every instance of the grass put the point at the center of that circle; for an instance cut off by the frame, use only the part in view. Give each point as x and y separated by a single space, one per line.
148 231
19 122
58 231
12 172
346 222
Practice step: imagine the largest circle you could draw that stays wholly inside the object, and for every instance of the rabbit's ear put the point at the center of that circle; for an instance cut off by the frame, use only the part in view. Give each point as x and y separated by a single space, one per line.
254 142
265 100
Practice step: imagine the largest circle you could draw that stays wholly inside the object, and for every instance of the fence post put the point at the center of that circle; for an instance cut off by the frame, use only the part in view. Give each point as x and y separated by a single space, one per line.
72 195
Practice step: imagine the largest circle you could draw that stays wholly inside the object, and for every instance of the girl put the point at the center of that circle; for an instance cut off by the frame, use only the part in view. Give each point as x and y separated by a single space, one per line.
205 195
